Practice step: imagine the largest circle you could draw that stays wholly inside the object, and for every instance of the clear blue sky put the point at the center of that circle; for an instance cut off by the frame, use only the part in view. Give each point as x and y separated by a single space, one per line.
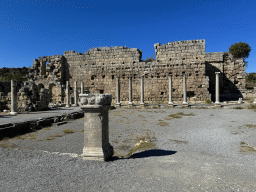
33 28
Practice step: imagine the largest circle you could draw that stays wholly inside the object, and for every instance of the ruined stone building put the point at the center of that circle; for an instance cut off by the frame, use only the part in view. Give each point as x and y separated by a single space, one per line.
99 67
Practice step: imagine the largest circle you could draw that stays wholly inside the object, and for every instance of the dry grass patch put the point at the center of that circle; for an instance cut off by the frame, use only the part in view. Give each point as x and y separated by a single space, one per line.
251 126
249 100
178 141
123 147
252 106
33 136
68 131
49 138
245 147
47 128
7 145
178 115
82 130
39 140
162 123
56 135
142 147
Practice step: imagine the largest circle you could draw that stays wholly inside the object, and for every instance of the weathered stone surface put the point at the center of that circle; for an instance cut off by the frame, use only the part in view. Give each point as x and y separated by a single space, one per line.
96 131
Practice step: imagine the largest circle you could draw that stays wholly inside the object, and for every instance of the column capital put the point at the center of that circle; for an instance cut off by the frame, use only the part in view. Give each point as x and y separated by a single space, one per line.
95 100
217 72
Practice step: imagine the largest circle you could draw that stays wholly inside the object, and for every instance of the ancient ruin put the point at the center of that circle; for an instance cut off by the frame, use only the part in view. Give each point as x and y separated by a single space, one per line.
120 72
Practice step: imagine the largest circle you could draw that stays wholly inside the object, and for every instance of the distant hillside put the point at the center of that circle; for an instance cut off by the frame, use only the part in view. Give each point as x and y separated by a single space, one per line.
7 74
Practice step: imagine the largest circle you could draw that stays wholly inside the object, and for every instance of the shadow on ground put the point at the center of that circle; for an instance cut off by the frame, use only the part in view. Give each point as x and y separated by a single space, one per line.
148 153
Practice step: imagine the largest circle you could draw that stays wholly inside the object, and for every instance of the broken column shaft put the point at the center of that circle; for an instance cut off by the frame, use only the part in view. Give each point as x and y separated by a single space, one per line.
14 108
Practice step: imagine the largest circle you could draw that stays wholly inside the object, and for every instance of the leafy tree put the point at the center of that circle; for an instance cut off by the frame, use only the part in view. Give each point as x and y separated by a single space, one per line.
251 77
239 50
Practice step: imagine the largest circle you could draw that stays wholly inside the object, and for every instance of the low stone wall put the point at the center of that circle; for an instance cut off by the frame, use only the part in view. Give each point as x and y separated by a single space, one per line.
14 129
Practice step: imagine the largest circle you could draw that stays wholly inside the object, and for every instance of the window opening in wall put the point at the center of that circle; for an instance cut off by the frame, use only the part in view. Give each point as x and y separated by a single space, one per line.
162 93
152 76
103 76
183 72
170 73
196 72
196 57
93 77
189 74
123 76
101 91
183 58
146 75
134 76
170 59
190 93
113 77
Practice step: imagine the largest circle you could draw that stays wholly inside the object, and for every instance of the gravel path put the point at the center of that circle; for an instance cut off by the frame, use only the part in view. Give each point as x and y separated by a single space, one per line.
35 115
208 150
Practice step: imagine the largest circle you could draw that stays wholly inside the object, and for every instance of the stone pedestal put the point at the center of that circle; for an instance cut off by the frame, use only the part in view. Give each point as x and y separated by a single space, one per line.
185 103
75 94
170 91
217 89
240 101
96 131
14 107
142 104
130 92
67 94
118 104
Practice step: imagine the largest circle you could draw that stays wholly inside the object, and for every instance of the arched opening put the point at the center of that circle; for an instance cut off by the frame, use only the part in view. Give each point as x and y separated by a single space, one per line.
39 87
52 92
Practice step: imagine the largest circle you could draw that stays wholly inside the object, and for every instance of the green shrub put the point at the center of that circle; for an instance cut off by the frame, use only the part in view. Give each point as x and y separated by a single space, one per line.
208 101
239 50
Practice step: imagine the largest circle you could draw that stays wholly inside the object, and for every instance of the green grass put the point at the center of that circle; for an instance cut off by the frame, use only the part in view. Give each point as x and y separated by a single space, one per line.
208 101
178 115
68 131
142 147
123 147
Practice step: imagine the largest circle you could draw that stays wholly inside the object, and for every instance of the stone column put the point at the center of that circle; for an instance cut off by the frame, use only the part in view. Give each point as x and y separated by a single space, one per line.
67 94
130 91
82 87
75 93
142 91
14 107
184 90
170 90
96 130
217 89
117 92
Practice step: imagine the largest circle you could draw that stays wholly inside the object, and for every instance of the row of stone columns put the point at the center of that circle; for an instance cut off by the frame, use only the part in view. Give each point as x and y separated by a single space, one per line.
75 93
170 90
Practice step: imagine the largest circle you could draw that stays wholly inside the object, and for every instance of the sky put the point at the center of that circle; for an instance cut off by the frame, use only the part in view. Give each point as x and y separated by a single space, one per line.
30 29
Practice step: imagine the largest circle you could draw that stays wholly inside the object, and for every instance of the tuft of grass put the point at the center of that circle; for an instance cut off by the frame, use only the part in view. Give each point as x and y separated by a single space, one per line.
162 123
238 107
82 130
7 145
178 115
38 139
142 147
252 106
251 126
67 131
47 128
245 147
178 141
49 138
208 101
56 135
33 136
20 137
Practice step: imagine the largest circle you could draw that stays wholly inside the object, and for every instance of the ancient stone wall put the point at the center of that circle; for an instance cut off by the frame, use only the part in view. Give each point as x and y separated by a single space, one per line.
99 67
